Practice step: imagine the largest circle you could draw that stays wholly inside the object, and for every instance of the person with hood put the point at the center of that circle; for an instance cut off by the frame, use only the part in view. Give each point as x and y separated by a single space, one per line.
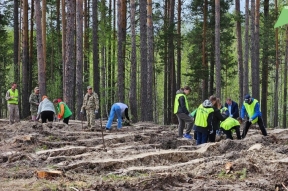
251 109
181 109
217 117
203 121
34 101
63 110
121 110
228 126
46 110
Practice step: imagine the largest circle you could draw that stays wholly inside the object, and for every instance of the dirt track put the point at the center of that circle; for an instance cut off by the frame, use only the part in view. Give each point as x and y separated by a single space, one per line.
144 156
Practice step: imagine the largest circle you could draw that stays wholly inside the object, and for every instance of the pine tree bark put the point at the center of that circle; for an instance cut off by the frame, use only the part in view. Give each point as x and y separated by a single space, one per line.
79 57
133 83
239 50
246 51
252 48
86 44
16 39
143 57
204 62
255 65
265 64
179 44
96 72
25 62
217 48
30 66
275 113
150 61
40 60
69 91
63 2
284 125
44 10
109 61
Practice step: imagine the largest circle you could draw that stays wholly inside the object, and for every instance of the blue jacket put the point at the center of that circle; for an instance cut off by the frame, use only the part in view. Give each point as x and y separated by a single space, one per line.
257 112
234 109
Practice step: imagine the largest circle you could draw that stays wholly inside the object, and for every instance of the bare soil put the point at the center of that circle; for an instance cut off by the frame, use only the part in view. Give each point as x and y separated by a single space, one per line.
144 156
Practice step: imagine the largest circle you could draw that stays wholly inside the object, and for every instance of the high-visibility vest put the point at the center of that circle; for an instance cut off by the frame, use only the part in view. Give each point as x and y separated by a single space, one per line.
229 123
202 116
250 109
67 111
176 102
223 109
13 94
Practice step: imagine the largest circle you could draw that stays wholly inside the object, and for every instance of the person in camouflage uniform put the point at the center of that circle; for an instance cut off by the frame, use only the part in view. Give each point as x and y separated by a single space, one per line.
91 105
34 101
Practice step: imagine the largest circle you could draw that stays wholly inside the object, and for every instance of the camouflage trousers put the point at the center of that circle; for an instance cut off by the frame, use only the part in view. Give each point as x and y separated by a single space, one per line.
13 113
90 114
33 114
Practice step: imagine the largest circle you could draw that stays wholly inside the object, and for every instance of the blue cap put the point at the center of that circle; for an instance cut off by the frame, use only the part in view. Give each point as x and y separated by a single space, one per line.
247 97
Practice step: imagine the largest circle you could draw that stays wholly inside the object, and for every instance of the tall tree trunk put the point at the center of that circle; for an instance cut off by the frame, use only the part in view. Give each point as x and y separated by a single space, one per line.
103 36
109 59
252 50
171 63
204 62
79 57
217 48
25 62
275 124
143 57
69 91
239 50
113 54
86 43
165 100
265 62
96 72
30 66
179 57
133 83
16 39
246 51
40 60
63 41
44 10
285 83
255 65
150 61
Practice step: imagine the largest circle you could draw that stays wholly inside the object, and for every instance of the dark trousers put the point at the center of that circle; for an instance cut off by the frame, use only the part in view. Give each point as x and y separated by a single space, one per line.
66 120
182 119
212 136
248 124
201 137
47 115
228 133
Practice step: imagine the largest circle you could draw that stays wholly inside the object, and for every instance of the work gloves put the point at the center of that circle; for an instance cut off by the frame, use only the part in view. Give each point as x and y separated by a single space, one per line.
96 111
250 120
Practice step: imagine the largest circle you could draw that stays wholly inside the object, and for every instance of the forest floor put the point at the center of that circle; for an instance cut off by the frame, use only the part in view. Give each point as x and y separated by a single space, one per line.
144 156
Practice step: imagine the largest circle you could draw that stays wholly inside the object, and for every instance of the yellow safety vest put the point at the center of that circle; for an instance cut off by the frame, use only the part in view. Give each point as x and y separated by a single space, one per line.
250 109
176 102
229 123
14 94
202 114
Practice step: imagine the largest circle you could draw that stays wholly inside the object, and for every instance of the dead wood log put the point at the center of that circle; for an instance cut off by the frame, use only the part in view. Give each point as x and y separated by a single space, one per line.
48 174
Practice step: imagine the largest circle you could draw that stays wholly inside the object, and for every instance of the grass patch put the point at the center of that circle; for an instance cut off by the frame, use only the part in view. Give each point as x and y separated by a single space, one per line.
240 175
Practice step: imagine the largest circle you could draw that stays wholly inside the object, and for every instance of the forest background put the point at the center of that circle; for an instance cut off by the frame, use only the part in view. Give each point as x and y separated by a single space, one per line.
141 52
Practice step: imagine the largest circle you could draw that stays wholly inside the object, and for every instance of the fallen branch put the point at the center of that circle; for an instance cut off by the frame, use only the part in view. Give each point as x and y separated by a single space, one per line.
74 188
284 186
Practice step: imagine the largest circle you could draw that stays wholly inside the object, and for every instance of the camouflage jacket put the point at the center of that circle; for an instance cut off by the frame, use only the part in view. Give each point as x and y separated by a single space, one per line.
34 99
90 102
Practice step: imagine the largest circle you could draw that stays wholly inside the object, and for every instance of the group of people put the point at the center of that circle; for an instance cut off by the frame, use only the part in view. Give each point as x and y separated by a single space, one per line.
211 116
42 107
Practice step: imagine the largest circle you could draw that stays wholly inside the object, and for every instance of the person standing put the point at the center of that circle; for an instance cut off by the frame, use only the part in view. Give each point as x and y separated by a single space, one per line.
63 110
46 110
12 96
121 110
91 105
232 108
251 108
34 101
181 109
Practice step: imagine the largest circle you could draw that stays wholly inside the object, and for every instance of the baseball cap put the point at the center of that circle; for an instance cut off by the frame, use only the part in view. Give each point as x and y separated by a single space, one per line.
246 98
89 87
36 88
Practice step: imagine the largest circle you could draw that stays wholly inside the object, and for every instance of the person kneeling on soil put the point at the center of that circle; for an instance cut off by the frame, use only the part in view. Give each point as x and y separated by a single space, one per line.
46 110
203 121
63 110
229 125
121 110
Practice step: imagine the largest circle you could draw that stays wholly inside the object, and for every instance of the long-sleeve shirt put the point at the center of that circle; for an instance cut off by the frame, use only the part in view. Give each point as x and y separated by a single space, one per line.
257 112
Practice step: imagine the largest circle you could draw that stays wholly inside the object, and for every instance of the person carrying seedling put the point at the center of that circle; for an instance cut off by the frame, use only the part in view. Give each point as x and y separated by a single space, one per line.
62 110
251 109
121 110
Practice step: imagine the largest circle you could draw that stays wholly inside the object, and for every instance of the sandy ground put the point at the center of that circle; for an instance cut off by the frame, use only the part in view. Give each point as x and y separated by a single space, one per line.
144 156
